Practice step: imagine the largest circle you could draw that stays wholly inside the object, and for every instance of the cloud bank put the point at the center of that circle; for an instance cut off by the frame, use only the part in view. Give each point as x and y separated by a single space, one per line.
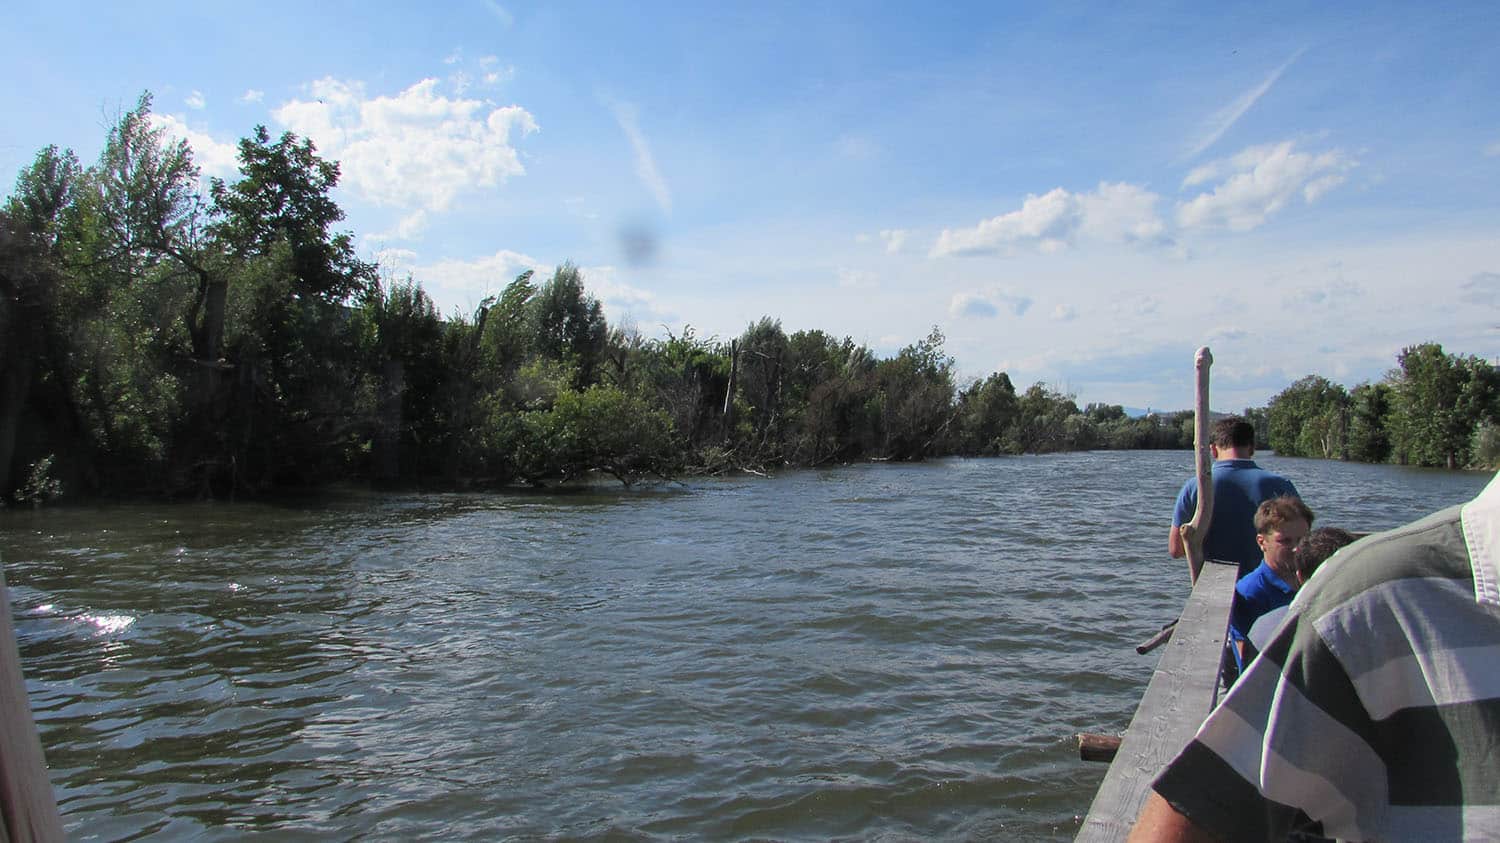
416 150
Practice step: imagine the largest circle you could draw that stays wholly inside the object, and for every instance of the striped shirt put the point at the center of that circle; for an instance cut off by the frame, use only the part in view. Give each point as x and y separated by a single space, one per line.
1375 708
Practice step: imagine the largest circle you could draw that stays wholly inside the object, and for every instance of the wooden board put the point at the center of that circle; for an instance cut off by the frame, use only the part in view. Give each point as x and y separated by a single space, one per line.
1179 697
28 810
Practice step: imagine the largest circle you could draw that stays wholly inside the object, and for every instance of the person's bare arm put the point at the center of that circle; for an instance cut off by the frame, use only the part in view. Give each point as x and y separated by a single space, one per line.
1175 547
1159 822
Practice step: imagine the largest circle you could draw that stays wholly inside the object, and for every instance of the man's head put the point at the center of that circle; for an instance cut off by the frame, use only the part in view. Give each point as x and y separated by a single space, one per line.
1280 523
1316 547
1232 438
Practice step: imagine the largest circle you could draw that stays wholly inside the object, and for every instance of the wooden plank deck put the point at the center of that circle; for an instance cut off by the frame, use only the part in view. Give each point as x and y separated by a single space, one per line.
1182 692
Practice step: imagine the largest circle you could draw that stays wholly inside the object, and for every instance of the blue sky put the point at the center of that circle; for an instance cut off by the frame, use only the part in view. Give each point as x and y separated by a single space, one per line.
1074 193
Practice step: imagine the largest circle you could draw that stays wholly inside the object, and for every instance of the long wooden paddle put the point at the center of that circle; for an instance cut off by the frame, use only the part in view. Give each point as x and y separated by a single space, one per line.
1195 530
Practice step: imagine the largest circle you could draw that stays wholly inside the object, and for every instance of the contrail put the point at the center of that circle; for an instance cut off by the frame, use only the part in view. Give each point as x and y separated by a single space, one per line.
1226 117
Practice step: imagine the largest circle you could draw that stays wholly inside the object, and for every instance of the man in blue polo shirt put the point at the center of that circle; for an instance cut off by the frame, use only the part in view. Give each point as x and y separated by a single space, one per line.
1240 486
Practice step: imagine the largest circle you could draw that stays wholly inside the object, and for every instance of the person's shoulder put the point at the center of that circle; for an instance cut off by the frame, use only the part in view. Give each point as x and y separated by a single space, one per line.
1253 581
1431 547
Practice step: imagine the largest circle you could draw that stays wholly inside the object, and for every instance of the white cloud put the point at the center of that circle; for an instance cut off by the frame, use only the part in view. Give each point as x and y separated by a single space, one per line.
501 14
1116 212
493 73
1482 288
1064 313
1493 150
1223 119
855 278
1258 182
894 239
196 101
987 304
450 280
417 149
622 302
645 163
252 95
971 305
407 228
395 258
212 157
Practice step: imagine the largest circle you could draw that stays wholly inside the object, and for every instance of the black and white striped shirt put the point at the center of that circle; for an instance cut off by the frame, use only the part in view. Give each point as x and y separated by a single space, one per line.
1375 710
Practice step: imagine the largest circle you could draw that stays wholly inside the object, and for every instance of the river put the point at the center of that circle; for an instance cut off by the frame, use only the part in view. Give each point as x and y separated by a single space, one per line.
875 651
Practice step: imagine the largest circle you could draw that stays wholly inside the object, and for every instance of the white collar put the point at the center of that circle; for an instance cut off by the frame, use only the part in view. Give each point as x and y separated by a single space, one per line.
1481 525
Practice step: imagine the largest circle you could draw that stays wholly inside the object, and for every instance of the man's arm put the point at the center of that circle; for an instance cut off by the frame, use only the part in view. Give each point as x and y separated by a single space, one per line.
1160 823
1175 547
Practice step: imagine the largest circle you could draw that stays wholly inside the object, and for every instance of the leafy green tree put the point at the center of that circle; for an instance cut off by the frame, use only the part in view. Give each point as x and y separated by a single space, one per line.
1308 419
829 388
987 409
1041 425
569 323
46 195
1369 412
600 429
402 337
916 398
283 195
760 372
1428 425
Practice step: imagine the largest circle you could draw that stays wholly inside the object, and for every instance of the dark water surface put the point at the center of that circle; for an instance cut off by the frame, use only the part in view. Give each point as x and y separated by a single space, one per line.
872 652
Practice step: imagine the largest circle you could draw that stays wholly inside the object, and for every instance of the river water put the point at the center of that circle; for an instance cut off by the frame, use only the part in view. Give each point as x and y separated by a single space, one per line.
875 651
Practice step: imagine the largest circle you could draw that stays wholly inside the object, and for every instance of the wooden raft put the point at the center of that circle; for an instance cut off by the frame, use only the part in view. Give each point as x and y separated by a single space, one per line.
1183 690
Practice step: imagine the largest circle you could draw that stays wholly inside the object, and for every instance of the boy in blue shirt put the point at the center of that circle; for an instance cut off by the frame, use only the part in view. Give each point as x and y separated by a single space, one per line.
1280 523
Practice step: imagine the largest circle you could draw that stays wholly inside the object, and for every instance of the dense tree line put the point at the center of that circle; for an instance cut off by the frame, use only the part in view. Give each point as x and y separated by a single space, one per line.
1433 409
156 338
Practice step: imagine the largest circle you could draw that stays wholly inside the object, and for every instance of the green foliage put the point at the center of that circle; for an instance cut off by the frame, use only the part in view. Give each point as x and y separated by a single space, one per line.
1309 419
155 342
40 487
1486 446
599 429
1437 403
987 410
569 323
282 196
1369 410
915 398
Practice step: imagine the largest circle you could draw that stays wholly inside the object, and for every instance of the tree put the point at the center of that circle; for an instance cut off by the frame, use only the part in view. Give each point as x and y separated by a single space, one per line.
916 397
284 195
1308 419
1426 425
760 373
403 332
1369 413
570 324
987 409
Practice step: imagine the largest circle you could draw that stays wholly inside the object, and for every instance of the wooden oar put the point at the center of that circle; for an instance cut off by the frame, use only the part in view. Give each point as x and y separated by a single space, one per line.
28 810
1195 530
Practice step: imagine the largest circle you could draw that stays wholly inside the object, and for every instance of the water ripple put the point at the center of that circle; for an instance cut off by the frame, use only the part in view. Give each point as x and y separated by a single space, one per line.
879 652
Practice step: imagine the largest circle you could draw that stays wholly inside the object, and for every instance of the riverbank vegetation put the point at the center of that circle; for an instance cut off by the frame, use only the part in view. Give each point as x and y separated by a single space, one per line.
1434 408
161 339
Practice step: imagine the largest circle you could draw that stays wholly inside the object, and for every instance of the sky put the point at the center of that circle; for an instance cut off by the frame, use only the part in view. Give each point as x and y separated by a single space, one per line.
1075 194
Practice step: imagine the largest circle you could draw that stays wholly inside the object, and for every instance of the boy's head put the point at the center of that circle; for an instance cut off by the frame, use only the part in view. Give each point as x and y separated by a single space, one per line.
1315 548
1280 523
1232 434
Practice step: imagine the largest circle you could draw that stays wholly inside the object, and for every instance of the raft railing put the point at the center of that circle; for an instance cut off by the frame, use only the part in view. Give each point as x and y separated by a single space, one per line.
1182 692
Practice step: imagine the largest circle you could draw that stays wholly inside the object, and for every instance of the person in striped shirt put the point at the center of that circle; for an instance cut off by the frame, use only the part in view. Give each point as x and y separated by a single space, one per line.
1374 711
